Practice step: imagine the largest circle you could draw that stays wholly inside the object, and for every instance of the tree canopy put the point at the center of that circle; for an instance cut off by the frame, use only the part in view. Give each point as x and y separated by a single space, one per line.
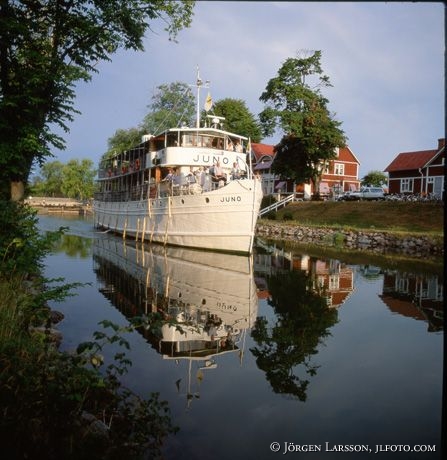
74 179
375 178
172 105
50 180
238 119
123 139
45 48
296 106
78 179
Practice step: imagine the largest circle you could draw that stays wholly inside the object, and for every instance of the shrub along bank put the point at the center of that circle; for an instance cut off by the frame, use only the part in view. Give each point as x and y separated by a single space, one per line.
57 405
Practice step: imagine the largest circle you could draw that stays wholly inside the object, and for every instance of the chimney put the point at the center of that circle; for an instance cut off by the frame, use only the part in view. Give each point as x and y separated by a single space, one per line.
441 143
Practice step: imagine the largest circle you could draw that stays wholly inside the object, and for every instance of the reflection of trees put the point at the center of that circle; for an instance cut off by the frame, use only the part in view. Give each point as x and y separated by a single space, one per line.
302 321
74 245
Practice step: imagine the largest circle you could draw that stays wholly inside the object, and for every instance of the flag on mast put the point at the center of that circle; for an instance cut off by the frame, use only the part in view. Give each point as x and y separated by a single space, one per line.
248 152
248 149
208 102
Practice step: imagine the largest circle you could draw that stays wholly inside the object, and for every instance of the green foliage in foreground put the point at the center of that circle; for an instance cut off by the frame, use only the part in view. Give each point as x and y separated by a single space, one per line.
59 405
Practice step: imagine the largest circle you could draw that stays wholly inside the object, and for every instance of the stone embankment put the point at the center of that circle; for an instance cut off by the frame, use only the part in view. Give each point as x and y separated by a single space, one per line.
376 241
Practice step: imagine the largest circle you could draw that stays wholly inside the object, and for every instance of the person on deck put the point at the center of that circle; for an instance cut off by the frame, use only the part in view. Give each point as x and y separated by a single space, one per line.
170 176
235 171
218 175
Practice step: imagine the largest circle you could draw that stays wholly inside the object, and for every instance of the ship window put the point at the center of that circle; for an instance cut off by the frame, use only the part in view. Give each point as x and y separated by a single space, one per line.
205 141
171 140
218 143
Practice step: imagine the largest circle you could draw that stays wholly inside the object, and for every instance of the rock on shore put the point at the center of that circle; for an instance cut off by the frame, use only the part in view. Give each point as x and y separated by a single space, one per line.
376 241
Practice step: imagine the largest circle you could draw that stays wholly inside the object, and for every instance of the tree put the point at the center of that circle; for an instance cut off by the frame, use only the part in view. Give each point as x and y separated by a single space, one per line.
299 110
238 118
45 48
172 104
50 182
122 140
78 179
375 178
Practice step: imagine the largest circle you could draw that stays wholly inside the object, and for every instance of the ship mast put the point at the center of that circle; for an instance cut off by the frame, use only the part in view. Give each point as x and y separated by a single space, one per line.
198 85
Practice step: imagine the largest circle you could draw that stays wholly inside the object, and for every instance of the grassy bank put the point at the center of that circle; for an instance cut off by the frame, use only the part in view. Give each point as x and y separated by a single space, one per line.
406 217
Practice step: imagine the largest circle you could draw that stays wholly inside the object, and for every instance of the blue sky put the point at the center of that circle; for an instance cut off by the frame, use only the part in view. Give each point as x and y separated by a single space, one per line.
385 62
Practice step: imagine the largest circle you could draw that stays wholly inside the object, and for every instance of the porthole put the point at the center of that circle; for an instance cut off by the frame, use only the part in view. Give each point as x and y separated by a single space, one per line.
183 201
207 199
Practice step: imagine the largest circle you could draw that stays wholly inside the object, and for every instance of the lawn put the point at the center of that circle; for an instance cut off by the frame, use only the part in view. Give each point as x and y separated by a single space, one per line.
408 217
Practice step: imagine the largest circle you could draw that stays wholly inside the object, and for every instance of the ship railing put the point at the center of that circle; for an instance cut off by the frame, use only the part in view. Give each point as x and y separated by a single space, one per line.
151 190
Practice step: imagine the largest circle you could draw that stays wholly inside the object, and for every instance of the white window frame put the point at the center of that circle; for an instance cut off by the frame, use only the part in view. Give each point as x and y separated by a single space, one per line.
334 282
339 169
406 185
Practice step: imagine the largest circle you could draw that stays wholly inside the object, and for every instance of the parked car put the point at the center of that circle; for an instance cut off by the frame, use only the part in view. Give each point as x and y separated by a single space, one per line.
346 196
367 193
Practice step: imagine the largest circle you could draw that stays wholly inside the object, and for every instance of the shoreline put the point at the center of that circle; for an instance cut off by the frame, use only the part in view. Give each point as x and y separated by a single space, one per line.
377 241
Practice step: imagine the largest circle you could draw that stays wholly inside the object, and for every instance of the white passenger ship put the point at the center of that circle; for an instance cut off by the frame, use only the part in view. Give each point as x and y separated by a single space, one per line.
191 187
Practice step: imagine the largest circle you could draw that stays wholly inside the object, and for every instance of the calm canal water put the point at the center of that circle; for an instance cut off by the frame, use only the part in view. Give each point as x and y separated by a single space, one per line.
284 353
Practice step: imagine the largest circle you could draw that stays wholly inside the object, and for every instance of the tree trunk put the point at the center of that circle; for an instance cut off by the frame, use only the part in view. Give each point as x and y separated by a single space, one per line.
17 190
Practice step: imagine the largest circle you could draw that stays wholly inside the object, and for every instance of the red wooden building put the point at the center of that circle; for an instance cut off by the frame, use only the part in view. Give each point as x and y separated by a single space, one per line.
340 175
420 172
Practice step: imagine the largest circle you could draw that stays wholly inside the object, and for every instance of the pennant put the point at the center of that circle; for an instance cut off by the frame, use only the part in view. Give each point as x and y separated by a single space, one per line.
208 103
248 149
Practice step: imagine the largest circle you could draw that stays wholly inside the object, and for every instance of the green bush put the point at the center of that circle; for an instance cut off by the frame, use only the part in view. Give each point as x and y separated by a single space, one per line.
57 405
267 200
22 248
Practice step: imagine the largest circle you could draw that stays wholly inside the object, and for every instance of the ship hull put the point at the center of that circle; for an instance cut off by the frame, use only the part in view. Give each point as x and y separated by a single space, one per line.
219 220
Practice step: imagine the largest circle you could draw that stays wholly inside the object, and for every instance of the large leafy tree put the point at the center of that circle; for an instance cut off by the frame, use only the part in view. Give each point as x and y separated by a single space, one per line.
375 178
46 46
78 179
172 105
122 140
296 106
50 180
238 119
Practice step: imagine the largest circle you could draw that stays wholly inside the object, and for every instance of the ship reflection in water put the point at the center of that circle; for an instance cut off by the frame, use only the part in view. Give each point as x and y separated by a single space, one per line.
206 301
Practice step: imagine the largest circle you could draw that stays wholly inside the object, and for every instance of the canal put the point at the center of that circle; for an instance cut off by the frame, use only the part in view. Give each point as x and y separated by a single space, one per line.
282 353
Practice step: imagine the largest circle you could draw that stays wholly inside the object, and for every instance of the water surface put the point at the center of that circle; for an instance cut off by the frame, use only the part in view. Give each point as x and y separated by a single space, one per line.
282 347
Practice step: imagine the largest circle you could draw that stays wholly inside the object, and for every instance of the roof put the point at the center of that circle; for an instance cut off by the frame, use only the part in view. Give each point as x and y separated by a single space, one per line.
264 165
411 160
262 150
